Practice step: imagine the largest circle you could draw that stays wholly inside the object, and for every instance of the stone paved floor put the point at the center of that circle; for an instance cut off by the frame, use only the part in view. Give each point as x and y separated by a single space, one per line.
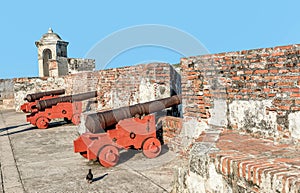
34 160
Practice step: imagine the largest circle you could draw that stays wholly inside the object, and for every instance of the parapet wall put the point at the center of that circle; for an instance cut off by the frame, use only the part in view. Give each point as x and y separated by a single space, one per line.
256 91
125 86
228 96
116 87
76 65
64 66
24 86
6 94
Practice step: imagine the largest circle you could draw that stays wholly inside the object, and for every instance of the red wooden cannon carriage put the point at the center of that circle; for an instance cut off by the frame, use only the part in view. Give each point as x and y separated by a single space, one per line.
53 107
122 128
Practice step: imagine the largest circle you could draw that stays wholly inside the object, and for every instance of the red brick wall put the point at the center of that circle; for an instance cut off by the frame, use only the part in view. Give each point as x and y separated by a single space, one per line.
124 86
172 127
270 74
116 87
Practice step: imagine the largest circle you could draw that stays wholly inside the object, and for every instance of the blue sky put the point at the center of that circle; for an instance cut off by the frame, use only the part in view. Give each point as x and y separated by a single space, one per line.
220 26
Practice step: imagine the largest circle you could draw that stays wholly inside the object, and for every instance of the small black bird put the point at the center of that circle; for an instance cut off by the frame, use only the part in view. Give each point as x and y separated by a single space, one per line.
89 177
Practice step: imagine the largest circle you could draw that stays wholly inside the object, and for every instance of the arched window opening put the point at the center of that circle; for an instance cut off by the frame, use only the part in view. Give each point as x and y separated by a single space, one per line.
47 54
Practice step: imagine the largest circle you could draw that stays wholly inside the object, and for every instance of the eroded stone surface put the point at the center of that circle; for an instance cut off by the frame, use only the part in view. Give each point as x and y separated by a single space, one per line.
294 124
251 116
239 163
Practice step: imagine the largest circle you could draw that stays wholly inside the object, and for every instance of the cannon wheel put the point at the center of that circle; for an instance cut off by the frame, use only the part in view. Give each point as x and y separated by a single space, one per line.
76 119
151 147
109 156
42 122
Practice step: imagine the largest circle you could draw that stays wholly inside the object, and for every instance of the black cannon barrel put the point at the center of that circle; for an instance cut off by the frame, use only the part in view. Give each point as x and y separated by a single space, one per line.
43 104
97 122
38 95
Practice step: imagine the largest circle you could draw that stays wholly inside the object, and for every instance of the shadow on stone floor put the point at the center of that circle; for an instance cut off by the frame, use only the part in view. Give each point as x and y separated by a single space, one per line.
20 131
52 125
12 127
100 177
127 155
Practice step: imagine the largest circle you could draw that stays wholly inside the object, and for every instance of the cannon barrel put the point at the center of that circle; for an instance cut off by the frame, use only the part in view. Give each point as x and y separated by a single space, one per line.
43 104
97 122
36 96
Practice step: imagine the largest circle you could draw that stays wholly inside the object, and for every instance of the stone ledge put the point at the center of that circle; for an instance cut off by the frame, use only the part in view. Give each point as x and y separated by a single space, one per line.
258 164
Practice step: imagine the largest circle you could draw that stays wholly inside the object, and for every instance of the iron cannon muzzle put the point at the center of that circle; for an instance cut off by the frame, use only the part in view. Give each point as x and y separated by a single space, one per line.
37 96
43 104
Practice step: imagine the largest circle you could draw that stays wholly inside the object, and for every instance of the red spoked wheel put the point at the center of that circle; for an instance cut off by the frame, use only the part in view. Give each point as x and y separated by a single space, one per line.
109 156
151 147
76 119
42 122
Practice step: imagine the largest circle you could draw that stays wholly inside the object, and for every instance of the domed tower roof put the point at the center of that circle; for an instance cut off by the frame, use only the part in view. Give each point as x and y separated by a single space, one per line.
50 36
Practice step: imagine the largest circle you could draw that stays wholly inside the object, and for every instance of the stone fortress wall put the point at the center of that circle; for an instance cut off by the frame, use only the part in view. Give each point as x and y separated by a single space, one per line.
231 97
252 92
116 87
256 91
6 94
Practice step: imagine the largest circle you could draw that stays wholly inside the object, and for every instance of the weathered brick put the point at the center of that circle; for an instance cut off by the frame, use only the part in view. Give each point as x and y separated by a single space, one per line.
261 71
278 54
295 108
285 84
278 65
285 108
290 90
273 77
288 47
291 77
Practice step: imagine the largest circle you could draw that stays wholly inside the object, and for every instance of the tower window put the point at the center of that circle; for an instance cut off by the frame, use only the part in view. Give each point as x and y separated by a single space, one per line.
47 54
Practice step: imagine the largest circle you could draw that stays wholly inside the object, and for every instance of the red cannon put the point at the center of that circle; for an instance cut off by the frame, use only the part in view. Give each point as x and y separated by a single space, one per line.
123 128
66 107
